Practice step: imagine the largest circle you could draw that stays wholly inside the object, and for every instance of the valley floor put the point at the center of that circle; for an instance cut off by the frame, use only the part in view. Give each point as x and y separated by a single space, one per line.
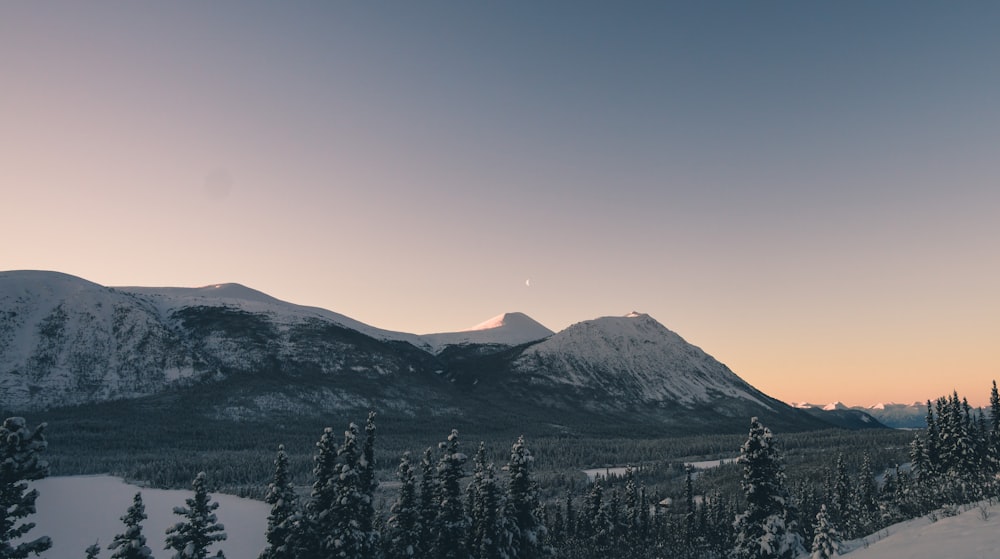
76 511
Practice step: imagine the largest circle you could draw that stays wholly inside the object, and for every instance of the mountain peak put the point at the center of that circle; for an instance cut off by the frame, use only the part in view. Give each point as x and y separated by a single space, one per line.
513 328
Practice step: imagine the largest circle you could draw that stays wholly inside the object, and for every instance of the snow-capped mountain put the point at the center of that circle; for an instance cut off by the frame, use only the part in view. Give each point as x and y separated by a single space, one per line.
634 364
67 341
634 357
508 329
896 416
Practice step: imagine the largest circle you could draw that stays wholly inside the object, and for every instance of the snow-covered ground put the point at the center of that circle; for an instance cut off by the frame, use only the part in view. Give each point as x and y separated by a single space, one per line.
76 511
973 534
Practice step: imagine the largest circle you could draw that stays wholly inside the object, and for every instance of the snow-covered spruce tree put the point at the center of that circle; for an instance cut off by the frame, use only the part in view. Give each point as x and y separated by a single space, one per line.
402 529
131 544
763 530
19 464
866 499
347 539
191 538
485 540
451 528
427 504
522 504
826 541
93 550
317 518
284 514
368 483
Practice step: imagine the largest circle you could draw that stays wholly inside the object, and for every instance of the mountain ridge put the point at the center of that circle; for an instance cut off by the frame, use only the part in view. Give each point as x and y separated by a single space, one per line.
66 341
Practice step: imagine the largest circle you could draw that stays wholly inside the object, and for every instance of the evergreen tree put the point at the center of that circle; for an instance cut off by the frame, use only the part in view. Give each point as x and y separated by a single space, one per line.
841 501
489 531
368 484
131 544
93 550
284 516
19 464
347 538
317 524
451 527
191 537
994 438
826 542
866 499
762 529
570 515
402 534
522 502
689 511
428 505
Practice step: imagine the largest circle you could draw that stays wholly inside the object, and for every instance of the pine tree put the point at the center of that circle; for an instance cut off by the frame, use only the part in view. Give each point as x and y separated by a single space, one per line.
93 550
841 501
284 514
762 529
402 533
689 512
191 538
522 502
451 527
19 464
826 542
486 540
347 538
311 536
131 544
427 506
368 484
866 500
994 438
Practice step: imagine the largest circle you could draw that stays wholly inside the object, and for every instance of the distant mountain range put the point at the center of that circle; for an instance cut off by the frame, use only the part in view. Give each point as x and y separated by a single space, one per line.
242 354
896 416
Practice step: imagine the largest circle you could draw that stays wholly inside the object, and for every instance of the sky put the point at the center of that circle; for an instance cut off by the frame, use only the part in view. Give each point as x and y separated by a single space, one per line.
808 191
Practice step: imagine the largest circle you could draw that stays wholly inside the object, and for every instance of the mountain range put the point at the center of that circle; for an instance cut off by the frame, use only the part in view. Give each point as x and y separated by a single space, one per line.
896 416
237 353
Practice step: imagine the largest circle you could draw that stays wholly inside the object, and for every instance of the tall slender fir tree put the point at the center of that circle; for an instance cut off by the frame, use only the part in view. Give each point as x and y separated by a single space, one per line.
191 538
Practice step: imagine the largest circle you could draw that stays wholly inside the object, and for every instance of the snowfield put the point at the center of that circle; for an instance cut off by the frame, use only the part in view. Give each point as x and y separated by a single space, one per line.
76 511
973 534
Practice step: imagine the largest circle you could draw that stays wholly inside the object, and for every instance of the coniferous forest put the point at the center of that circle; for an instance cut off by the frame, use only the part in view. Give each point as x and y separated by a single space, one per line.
443 503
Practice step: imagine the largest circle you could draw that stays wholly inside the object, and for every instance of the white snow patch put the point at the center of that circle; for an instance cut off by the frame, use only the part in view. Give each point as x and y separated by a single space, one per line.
973 534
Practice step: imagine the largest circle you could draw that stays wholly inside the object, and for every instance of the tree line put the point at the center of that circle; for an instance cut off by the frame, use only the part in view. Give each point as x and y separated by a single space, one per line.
441 511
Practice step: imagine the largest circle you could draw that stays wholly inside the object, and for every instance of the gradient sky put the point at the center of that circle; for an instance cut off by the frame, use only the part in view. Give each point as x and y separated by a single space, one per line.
809 191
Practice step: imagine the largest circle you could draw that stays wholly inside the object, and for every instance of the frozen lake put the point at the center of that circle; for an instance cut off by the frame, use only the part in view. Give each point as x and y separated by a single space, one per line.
76 511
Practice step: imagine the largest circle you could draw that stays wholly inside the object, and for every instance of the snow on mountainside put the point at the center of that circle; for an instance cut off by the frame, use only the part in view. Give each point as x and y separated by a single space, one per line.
634 357
234 295
506 329
60 334
65 340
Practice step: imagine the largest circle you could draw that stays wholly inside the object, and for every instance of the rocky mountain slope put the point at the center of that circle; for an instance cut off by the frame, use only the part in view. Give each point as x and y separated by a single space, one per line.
241 354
